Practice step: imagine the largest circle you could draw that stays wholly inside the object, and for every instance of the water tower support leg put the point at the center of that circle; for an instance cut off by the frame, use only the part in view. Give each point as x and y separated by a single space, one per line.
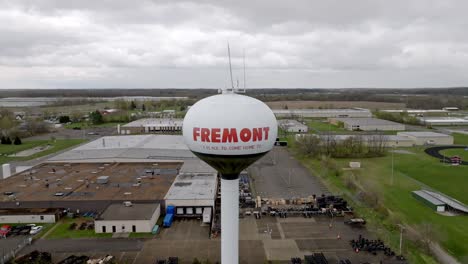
230 221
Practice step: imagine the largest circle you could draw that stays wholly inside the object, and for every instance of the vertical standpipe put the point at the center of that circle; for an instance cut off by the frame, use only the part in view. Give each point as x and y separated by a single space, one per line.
230 221
6 171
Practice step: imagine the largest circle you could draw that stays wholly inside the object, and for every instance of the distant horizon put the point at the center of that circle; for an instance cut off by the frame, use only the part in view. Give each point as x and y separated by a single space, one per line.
328 44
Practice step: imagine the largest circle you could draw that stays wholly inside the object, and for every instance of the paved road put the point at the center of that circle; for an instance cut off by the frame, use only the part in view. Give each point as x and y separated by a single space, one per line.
280 175
86 245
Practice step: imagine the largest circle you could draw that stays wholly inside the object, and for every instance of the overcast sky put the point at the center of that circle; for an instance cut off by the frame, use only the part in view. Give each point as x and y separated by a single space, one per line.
176 44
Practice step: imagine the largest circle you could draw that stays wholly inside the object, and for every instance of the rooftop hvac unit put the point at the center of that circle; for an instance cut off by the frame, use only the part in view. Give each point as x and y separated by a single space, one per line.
102 179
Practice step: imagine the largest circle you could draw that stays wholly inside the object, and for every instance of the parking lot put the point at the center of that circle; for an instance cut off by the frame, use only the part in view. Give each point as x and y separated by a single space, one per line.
268 238
279 175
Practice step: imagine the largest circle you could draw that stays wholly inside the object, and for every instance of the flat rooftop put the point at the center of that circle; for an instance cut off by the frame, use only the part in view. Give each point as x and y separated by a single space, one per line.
78 182
290 123
444 120
196 181
423 134
25 211
140 147
138 211
151 122
367 121
320 110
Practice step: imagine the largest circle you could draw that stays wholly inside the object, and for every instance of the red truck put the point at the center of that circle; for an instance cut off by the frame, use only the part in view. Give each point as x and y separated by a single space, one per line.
4 230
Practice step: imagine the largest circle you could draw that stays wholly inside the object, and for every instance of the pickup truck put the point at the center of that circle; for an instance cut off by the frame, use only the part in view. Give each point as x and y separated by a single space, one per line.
5 230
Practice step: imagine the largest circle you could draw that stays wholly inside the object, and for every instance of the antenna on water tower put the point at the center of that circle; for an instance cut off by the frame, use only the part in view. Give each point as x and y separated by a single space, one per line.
230 67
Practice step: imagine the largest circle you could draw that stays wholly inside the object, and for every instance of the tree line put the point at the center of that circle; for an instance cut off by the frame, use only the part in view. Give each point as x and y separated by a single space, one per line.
356 146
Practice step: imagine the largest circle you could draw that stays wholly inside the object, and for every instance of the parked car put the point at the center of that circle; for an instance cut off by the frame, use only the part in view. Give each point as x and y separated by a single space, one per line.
5 230
35 230
15 230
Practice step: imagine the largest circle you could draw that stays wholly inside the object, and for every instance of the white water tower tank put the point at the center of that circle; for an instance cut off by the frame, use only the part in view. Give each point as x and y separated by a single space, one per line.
229 132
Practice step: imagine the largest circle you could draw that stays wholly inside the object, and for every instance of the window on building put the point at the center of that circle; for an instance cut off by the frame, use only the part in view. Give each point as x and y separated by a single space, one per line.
42 217
114 229
104 229
133 228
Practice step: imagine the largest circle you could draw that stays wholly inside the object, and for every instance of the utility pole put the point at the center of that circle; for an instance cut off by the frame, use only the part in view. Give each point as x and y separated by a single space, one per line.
401 236
393 151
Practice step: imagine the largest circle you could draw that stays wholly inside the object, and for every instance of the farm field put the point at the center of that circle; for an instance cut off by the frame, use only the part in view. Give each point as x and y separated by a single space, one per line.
411 172
334 104
56 145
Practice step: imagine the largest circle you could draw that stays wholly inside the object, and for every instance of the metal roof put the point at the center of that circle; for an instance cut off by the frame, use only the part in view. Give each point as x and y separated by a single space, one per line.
166 147
449 201
429 198
422 134
367 121
151 122
299 111
138 211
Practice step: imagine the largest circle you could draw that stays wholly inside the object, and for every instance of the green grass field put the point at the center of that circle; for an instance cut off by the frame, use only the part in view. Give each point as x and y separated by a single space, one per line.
322 125
460 139
57 145
62 230
411 172
463 154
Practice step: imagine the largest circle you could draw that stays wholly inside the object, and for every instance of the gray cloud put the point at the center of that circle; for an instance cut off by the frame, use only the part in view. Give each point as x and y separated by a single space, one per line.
118 43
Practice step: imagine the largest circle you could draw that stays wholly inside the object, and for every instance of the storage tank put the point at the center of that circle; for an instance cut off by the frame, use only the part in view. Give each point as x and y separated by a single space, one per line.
229 131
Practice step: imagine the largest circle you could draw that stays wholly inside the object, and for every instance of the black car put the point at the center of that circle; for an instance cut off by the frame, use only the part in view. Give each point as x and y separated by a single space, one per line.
15 230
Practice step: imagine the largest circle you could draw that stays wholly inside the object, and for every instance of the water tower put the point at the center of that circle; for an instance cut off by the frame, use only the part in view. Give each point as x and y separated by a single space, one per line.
230 131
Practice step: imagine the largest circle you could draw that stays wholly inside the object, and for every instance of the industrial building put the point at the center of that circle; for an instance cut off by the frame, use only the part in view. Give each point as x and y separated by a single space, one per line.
128 218
152 125
440 202
129 149
419 112
143 169
194 190
367 124
429 200
428 138
88 186
28 215
292 126
322 113
443 121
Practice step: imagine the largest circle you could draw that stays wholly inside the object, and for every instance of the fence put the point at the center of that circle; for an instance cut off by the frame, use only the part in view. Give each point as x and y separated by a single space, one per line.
8 254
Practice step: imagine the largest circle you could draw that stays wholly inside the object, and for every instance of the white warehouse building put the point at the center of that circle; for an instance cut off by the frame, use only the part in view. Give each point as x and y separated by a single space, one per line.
129 218
428 138
368 124
292 126
322 113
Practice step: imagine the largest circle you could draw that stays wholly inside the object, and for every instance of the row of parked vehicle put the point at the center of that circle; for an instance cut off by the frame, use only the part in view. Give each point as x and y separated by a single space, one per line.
29 229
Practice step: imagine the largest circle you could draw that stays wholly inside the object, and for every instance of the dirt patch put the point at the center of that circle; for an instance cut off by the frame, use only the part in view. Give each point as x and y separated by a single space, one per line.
334 104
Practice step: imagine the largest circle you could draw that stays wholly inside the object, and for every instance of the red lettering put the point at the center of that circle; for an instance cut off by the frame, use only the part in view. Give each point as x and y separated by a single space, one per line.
266 130
205 135
215 135
257 134
245 134
229 135
196 133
